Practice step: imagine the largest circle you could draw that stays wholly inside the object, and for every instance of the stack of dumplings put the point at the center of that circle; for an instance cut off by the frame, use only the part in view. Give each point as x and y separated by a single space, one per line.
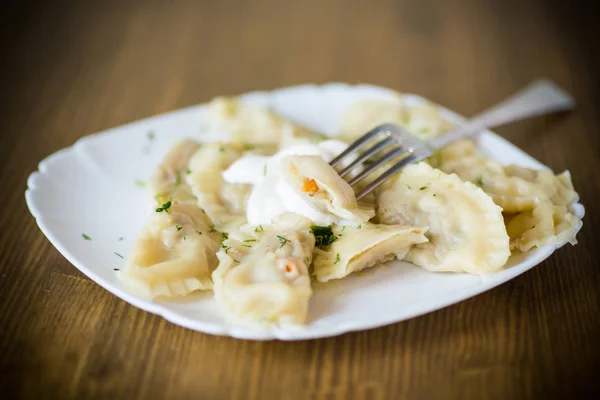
459 211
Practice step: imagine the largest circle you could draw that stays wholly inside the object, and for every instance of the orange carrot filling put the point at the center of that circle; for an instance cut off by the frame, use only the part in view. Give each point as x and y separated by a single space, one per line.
310 186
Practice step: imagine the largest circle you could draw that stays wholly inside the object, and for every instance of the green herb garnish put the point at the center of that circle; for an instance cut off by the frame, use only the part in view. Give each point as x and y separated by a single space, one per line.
199 233
179 227
188 171
259 229
121 239
423 187
212 228
283 240
151 135
408 186
337 258
164 207
247 245
479 181
224 246
118 254
359 226
86 237
323 235
319 135
224 235
249 240
221 149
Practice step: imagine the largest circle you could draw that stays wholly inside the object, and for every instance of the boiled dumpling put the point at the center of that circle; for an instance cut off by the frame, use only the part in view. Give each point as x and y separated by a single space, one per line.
175 254
318 183
466 229
514 188
253 124
168 180
263 276
545 224
234 196
206 182
362 246
537 204
423 120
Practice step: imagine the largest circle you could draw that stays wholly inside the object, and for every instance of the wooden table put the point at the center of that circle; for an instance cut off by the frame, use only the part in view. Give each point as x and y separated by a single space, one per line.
88 66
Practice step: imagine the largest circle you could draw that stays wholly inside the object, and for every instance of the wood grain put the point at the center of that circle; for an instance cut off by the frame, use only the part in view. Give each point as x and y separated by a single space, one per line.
74 68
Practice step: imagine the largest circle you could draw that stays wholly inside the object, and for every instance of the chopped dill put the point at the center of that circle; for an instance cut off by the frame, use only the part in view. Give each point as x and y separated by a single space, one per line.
479 181
283 240
164 207
319 135
323 235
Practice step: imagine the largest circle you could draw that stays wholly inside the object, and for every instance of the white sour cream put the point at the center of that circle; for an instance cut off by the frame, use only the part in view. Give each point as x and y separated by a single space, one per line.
271 195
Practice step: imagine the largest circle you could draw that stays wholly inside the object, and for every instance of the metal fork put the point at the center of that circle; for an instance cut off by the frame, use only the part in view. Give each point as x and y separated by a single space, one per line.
539 98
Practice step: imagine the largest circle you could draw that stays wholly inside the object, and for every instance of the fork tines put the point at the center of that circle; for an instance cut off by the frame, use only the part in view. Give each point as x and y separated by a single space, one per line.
401 143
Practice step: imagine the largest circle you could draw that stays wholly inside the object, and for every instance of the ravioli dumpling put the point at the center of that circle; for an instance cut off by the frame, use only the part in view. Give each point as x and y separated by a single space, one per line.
514 188
537 204
319 184
466 229
206 182
253 124
175 254
264 276
422 120
363 246
545 224
168 180
234 196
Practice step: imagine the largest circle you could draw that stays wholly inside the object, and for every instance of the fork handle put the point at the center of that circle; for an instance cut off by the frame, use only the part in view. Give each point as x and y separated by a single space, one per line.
538 98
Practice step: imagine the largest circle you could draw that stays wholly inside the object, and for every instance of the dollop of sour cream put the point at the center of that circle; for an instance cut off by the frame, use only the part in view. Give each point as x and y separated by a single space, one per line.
271 195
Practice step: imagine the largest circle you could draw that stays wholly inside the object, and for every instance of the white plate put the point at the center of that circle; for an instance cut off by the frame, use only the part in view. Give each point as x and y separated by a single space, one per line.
90 189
